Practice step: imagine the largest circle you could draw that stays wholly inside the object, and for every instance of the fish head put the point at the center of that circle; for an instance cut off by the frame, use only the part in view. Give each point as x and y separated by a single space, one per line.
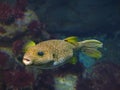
38 55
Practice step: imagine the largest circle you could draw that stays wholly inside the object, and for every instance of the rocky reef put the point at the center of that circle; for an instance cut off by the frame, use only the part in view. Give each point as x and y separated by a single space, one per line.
38 20
17 21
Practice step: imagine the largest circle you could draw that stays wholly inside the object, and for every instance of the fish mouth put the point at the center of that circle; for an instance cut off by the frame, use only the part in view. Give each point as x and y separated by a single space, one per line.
27 61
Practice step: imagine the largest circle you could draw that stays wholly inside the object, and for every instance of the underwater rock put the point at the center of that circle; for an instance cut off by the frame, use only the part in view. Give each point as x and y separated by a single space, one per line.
66 69
51 79
67 82
66 75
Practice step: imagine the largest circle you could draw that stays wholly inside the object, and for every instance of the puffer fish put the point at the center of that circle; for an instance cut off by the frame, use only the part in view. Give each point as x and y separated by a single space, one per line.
53 53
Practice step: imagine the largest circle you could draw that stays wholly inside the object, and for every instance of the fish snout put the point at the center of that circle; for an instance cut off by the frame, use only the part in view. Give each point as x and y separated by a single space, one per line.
27 61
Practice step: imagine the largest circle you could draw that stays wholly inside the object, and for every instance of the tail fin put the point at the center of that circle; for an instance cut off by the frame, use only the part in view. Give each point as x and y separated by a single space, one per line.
90 48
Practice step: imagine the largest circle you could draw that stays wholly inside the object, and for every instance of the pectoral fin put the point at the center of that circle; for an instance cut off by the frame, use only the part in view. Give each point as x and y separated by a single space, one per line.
73 60
56 63
28 45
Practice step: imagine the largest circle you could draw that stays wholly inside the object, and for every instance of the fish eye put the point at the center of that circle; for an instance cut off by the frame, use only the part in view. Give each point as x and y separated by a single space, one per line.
40 53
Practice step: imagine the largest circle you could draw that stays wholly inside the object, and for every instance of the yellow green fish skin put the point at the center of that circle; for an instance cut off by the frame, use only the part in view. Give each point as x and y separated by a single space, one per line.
56 51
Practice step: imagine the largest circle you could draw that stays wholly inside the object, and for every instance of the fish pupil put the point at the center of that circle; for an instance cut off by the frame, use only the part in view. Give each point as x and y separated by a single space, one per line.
54 56
40 53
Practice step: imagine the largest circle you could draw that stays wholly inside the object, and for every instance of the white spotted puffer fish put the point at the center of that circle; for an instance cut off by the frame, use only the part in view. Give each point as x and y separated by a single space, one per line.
53 53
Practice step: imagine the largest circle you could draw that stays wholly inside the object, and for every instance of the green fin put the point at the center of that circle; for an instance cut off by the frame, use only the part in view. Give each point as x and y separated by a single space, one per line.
92 52
28 45
92 43
89 47
72 40
73 60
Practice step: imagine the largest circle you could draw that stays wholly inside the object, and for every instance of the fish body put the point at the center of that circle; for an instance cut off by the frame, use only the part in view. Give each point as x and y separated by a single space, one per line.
53 53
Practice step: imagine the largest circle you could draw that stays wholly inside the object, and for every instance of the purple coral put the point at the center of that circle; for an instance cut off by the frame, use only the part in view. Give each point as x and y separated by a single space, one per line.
21 4
5 12
6 58
18 79
105 76
36 27
3 59
17 46
19 8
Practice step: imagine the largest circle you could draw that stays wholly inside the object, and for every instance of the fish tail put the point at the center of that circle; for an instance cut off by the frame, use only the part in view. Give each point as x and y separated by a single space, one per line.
90 48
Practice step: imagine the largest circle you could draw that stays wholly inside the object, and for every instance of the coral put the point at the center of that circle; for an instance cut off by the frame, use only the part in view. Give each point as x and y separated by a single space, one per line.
14 20
18 13
17 28
3 58
17 21
11 31
19 8
12 73
18 79
5 12
21 4
83 84
6 62
6 58
17 47
35 27
29 16
104 76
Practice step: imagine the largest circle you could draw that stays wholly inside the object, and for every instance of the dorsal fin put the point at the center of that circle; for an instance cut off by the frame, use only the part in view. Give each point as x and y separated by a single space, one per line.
72 40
